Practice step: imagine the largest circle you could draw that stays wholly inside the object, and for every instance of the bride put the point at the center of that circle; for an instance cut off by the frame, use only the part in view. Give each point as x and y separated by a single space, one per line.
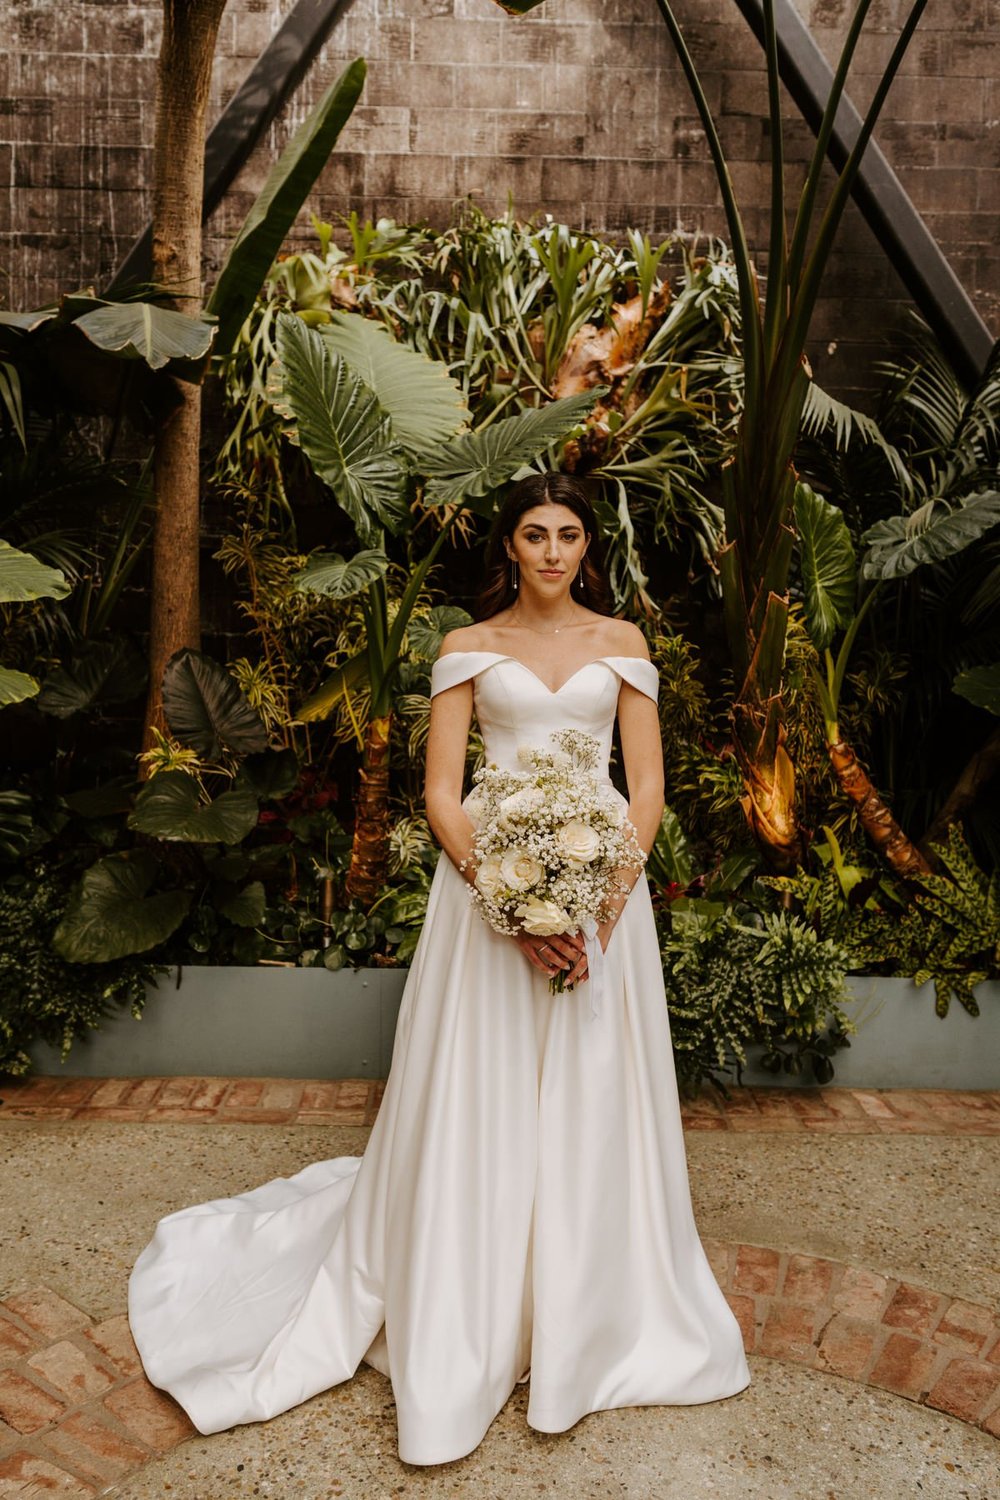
522 1209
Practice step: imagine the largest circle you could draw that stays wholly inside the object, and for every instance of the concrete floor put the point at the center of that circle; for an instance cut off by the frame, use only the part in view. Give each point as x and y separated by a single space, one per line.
80 1200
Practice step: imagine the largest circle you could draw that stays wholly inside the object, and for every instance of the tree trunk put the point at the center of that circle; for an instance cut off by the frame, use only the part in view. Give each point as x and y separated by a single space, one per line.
190 29
876 818
369 851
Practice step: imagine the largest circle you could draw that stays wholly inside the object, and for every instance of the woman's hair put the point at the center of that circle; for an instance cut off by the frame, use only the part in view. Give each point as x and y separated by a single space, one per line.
591 588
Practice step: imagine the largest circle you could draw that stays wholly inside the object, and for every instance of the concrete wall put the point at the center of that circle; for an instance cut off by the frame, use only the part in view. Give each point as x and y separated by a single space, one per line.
578 110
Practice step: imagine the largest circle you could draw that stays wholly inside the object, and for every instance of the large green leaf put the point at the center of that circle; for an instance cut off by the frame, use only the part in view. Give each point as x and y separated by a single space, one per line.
476 462
12 401
244 907
336 419
110 671
829 569
141 330
930 534
170 807
109 914
426 632
423 403
270 775
23 577
15 687
670 860
288 185
981 686
205 708
17 824
339 578
321 703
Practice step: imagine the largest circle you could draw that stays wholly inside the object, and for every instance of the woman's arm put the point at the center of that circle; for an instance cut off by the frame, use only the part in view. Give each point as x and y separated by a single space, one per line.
447 741
642 754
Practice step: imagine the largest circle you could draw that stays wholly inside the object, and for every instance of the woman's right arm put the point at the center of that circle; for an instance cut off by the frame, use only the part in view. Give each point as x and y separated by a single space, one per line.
447 741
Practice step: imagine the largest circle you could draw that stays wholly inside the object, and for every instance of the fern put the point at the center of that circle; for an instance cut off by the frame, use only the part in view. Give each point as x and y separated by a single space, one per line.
944 930
731 984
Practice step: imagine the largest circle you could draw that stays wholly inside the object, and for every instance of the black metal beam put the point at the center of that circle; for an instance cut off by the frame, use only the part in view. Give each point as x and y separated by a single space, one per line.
273 78
914 252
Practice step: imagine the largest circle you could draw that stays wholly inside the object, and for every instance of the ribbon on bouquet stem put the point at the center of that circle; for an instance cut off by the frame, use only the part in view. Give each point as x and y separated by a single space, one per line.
595 964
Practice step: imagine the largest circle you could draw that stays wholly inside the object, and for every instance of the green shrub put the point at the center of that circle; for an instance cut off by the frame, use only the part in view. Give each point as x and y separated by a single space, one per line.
41 995
733 981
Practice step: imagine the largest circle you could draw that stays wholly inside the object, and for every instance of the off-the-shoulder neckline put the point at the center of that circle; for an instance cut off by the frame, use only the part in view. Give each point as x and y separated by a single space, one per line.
506 656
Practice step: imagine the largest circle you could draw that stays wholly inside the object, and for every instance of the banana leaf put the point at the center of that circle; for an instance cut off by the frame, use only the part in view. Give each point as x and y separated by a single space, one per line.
23 577
288 185
158 336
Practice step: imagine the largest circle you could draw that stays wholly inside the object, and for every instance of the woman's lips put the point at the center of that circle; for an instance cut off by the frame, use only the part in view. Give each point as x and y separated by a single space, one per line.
551 572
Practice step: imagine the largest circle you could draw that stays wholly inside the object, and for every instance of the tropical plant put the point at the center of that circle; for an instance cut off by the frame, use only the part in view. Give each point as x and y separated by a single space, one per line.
42 996
735 979
942 527
942 927
758 479
379 424
185 72
494 301
23 577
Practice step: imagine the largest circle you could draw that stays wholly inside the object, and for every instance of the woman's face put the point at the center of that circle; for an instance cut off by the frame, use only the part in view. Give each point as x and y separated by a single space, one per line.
548 543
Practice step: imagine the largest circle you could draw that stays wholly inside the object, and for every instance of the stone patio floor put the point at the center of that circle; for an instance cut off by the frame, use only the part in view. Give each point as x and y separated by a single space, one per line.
854 1233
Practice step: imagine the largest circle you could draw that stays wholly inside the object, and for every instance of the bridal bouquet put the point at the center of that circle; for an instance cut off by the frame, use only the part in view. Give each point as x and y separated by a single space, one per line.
548 841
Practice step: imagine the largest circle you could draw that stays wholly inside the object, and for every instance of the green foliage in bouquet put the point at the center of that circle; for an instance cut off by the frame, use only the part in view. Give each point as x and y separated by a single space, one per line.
42 996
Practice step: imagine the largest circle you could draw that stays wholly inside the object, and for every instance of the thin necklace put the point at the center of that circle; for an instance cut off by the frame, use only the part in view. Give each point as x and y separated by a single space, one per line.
535 628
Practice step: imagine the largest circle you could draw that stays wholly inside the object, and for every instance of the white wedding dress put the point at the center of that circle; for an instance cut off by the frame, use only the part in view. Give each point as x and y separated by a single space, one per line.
523 1199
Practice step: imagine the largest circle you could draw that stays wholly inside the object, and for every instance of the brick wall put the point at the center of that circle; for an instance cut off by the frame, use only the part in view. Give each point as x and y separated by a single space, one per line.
579 110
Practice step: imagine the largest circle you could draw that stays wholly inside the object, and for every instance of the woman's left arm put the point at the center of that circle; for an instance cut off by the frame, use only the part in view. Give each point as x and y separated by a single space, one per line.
642 754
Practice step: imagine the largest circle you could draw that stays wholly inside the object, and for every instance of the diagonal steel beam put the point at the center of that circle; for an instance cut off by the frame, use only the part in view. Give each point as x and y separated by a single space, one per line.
273 78
887 208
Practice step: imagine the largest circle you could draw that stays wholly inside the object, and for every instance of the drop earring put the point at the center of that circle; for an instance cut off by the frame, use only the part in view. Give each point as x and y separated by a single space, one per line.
514 570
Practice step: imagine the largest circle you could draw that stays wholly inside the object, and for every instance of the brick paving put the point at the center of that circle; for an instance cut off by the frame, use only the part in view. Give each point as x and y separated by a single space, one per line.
77 1413
355 1101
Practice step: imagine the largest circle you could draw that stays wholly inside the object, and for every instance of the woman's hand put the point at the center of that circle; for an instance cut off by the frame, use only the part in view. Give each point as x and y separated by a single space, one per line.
564 951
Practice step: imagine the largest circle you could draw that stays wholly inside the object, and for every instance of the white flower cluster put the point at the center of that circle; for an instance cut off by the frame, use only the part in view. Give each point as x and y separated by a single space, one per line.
548 839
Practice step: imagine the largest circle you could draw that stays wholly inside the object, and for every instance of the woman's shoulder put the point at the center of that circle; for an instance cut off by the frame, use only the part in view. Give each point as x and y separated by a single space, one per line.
626 639
463 638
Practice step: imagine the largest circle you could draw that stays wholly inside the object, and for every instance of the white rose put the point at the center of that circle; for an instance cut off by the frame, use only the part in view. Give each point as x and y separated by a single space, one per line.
578 842
542 918
520 869
520 805
488 877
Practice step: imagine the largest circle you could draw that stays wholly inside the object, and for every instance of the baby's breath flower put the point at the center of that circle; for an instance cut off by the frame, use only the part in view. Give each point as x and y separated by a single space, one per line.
552 828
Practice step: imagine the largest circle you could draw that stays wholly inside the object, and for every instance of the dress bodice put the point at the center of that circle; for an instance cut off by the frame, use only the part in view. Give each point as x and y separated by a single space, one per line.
515 707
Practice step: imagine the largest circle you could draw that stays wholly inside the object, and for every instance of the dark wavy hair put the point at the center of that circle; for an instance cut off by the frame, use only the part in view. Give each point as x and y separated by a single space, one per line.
592 588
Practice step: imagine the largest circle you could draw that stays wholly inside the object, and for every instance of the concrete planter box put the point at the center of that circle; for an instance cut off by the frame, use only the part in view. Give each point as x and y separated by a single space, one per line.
253 1022
902 1043
308 1023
